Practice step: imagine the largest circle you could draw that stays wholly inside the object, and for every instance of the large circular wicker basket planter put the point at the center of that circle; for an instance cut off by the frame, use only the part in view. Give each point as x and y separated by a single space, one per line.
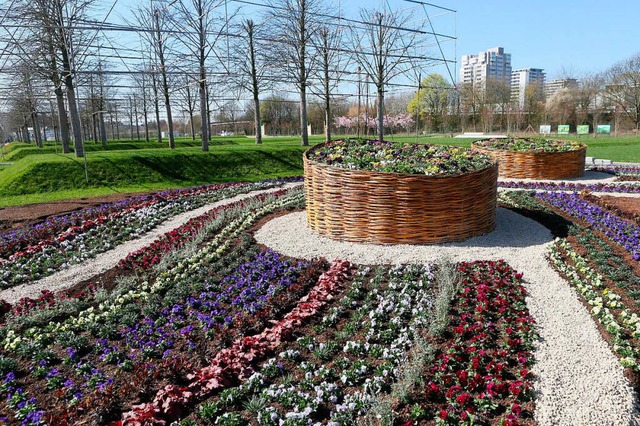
537 165
396 208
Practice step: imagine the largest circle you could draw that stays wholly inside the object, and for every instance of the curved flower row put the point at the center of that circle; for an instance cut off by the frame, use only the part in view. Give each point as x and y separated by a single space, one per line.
152 254
392 157
150 344
627 188
620 230
75 222
623 173
529 144
486 363
606 305
211 252
98 234
246 290
237 362
250 209
340 377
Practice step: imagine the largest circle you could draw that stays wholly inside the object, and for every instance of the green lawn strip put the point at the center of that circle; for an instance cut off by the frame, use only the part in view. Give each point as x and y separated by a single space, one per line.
148 169
41 175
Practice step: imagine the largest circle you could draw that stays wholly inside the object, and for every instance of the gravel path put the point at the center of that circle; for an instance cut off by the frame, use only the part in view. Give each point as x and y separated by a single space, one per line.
69 277
589 177
580 381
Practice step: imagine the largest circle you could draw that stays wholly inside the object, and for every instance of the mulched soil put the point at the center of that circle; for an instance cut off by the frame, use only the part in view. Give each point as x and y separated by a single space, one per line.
629 206
30 214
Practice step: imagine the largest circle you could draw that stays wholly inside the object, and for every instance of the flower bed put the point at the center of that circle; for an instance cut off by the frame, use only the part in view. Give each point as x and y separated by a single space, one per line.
619 229
368 192
606 277
368 360
623 187
253 336
40 250
532 158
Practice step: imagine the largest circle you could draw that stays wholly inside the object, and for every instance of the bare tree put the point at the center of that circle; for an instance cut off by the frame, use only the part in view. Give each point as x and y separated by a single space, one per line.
250 62
623 88
142 82
293 25
384 50
562 105
329 41
498 97
154 22
55 31
189 101
471 102
200 19
590 101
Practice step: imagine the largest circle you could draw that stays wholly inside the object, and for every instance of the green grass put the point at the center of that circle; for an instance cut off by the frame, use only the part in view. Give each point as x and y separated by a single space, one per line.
40 175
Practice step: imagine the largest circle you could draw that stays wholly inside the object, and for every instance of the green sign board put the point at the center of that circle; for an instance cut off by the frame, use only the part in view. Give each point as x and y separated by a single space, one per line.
603 129
583 129
563 129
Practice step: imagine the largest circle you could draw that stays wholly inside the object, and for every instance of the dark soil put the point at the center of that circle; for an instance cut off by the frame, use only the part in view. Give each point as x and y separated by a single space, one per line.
30 214
629 206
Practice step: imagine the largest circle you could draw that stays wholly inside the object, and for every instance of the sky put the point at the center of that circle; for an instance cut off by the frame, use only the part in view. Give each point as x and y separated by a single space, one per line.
565 38
562 37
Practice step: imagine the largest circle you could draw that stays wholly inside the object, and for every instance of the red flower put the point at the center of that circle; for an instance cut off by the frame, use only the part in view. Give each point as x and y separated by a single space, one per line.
515 388
516 409
463 399
452 391
443 414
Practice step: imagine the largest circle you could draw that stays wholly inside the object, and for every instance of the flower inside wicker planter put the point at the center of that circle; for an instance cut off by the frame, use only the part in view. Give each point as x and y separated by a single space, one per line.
535 158
388 193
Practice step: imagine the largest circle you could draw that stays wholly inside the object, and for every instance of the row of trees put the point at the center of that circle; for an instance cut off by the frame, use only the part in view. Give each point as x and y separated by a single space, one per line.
195 55
611 96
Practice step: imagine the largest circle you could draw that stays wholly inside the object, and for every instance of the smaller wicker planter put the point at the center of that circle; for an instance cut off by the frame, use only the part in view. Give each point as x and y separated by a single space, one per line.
537 165
396 208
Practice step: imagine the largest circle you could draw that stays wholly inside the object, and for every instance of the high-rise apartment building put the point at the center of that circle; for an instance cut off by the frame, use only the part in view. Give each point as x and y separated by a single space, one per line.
551 87
493 63
523 78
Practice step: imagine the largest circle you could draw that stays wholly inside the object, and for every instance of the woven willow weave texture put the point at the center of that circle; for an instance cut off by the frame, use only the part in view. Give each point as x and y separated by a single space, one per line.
395 208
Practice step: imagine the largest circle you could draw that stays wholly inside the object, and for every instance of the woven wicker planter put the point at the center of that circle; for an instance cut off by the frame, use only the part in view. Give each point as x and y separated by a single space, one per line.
538 165
394 208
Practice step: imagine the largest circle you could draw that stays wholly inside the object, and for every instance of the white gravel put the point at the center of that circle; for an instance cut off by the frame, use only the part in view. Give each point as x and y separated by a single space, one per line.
589 177
580 381
69 277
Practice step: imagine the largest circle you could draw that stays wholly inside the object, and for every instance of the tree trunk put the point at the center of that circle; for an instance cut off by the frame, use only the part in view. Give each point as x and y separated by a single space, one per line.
256 118
145 108
103 129
255 89
204 127
78 143
303 115
380 112
113 129
94 127
117 124
63 121
36 128
165 82
204 94
327 92
156 105
135 110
